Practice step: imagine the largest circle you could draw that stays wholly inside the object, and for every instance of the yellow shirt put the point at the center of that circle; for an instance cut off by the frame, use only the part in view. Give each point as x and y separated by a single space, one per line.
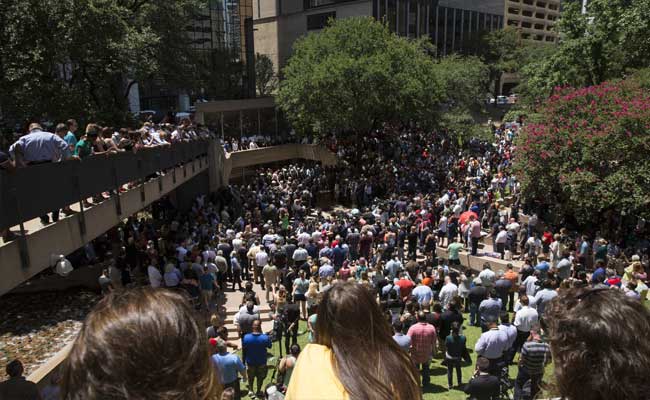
313 377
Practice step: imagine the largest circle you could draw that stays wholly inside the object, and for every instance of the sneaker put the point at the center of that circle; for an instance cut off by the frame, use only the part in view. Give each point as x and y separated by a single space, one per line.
251 394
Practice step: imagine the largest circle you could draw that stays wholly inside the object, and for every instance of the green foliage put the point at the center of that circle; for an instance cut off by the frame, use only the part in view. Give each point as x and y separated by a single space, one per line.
500 50
265 78
355 75
61 58
588 157
605 43
466 80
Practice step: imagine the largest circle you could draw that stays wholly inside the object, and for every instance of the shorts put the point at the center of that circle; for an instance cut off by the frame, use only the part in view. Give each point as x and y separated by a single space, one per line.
257 371
299 297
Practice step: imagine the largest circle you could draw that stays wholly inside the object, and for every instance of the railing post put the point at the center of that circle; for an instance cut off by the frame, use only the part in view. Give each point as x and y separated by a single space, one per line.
160 172
82 213
118 201
22 241
141 181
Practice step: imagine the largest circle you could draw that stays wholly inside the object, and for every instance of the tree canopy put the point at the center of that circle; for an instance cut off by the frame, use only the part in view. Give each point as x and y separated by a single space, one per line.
72 57
587 163
606 43
355 75
265 78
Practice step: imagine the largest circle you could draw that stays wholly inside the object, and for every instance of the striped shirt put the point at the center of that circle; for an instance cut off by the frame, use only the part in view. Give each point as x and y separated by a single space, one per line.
535 355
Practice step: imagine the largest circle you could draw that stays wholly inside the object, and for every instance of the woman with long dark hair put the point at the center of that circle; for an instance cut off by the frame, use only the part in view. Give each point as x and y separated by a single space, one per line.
355 356
140 344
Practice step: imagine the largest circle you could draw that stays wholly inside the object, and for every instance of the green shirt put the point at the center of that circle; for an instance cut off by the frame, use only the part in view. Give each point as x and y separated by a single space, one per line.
453 249
83 148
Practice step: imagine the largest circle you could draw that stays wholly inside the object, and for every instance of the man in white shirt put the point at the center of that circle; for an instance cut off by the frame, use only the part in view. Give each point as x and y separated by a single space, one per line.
448 291
487 277
500 241
531 284
525 320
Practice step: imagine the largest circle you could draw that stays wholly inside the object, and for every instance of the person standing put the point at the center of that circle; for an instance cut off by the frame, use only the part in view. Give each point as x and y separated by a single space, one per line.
448 292
40 147
483 386
291 319
17 387
490 309
423 345
535 355
477 294
454 249
455 347
503 288
513 277
492 345
270 277
475 233
228 367
255 345
525 319
71 137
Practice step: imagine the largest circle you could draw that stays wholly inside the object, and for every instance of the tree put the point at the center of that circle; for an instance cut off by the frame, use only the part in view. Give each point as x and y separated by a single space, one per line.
587 161
500 51
466 80
74 57
265 78
606 43
355 75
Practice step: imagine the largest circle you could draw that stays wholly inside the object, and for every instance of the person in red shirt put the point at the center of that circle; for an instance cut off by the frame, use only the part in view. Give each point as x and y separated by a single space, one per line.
405 286
547 239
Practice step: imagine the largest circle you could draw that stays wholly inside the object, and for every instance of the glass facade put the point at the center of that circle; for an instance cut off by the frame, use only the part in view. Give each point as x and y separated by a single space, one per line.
451 29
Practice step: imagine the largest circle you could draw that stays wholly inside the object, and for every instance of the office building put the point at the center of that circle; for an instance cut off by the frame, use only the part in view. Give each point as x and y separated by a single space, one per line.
221 37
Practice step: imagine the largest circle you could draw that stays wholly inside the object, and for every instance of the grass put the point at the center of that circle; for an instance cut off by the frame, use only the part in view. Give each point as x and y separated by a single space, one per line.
437 389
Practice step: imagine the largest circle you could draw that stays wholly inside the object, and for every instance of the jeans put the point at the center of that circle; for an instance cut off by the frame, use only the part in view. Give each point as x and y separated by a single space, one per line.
291 335
522 378
424 369
474 314
451 365
256 375
474 245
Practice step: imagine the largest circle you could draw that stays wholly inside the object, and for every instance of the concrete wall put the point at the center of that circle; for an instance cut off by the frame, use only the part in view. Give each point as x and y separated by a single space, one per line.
65 236
276 34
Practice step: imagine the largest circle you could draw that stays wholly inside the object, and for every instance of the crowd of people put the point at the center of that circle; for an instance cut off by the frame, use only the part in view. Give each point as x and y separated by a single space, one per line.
368 282
39 146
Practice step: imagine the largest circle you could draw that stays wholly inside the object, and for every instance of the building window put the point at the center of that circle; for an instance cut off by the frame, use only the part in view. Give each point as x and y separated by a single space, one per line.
319 21
413 18
513 10
550 39
525 24
527 13
541 4
539 26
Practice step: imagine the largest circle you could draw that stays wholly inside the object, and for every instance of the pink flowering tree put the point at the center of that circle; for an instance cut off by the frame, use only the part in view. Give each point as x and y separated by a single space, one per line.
589 160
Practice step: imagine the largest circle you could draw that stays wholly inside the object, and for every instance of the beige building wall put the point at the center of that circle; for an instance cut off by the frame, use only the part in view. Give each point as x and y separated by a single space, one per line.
533 18
275 34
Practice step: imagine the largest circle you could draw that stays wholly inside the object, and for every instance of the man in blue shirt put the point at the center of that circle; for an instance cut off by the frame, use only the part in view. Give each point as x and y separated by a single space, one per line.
40 147
542 267
326 270
228 367
254 346
489 309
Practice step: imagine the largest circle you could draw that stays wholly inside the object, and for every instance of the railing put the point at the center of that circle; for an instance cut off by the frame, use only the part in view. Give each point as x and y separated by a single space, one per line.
27 193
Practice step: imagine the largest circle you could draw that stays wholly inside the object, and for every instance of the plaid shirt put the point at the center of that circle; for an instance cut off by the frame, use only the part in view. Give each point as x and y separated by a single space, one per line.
423 342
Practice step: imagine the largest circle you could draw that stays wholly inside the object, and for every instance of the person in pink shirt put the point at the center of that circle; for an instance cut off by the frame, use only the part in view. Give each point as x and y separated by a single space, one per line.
423 345
475 233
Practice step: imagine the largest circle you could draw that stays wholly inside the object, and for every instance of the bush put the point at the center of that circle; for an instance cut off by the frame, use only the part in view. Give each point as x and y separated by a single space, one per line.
588 159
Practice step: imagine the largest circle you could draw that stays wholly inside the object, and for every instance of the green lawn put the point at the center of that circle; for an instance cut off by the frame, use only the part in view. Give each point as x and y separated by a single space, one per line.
438 387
